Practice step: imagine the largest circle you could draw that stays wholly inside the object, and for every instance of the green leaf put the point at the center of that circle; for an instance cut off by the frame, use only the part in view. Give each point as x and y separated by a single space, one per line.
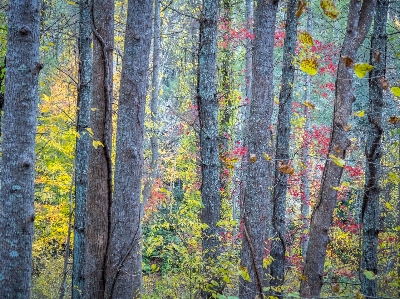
369 275
338 161
361 69
244 274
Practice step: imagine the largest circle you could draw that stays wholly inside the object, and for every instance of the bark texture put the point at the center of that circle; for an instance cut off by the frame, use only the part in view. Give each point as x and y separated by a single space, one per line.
278 247
256 206
370 208
358 24
124 260
82 147
100 166
18 149
208 117
155 91
305 199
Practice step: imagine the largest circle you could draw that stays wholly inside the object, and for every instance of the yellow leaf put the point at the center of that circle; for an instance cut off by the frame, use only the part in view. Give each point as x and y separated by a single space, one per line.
388 206
97 143
394 178
253 158
361 69
396 91
90 131
335 188
359 113
268 158
338 161
309 104
359 295
329 8
305 38
309 66
244 274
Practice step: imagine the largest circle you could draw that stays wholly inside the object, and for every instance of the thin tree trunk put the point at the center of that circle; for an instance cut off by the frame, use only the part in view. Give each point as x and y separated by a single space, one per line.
208 118
124 260
358 24
18 148
256 206
305 200
155 91
100 164
370 208
278 247
82 147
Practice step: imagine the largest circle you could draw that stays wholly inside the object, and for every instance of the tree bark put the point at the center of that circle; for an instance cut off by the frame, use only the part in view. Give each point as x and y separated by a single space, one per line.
208 117
305 200
100 164
18 148
82 147
155 91
358 24
124 260
370 208
278 247
256 206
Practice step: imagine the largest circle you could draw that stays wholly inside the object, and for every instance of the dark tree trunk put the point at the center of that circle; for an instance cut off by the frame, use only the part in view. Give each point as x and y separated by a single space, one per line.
124 260
208 118
100 166
155 91
370 208
282 151
358 24
82 148
18 149
256 206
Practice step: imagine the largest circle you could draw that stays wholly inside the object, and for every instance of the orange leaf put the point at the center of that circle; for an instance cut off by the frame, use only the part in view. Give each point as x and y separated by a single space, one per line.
394 120
285 168
347 60
300 8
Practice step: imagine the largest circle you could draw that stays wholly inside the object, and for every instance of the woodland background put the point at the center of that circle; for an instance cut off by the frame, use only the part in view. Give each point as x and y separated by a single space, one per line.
169 205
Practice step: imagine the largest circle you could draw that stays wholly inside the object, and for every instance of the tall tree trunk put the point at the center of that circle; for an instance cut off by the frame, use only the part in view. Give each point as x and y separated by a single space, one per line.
256 206
278 247
155 91
82 148
124 260
18 148
370 208
305 200
208 117
100 166
358 24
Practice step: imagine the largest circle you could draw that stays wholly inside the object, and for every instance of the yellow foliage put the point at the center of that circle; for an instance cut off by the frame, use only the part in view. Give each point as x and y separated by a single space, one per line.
361 69
309 66
338 161
329 8
396 91
305 38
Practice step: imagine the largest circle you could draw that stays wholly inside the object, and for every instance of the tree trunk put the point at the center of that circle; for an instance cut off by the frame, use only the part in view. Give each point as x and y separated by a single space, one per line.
208 117
305 200
256 206
358 24
18 148
100 166
124 260
82 147
278 247
155 91
370 208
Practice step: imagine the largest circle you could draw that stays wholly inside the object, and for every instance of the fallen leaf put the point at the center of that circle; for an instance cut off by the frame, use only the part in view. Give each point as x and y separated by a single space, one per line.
300 8
285 168
305 38
309 66
309 104
330 9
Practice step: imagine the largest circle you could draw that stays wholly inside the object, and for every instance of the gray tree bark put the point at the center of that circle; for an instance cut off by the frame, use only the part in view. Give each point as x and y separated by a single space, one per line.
82 147
256 206
370 209
278 247
155 91
358 24
18 148
208 117
305 201
100 165
124 260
